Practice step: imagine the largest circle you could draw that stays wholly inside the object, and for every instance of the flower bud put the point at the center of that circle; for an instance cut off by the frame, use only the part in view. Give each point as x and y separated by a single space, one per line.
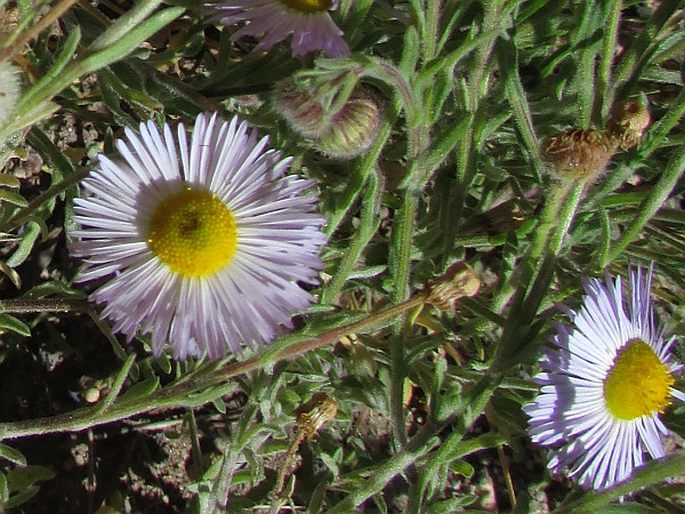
353 128
628 123
579 154
303 111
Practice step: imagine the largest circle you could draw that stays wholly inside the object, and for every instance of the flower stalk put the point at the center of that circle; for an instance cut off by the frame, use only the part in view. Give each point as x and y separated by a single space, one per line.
211 379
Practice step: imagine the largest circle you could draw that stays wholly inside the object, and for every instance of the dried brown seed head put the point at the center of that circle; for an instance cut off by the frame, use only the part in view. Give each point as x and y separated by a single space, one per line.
320 409
579 154
459 281
629 121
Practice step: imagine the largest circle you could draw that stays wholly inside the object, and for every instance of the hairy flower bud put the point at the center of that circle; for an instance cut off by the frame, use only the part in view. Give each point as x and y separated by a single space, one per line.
579 154
339 118
353 128
628 123
303 111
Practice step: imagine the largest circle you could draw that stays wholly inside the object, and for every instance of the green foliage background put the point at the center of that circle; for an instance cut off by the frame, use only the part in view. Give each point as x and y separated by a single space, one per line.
469 91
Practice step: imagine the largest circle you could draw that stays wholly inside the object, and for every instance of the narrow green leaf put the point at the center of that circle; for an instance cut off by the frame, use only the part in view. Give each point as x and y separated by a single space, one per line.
12 197
628 508
25 477
662 189
29 113
453 504
11 274
410 51
516 96
4 490
131 19
63 58
13 324
118 383
21 497
140 390
12 455
468 446
635 58
50 153
462 468
129 40
219 405
368 225
7 180
28 239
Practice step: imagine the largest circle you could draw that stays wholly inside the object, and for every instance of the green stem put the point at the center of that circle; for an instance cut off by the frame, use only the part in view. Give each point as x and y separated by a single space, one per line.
26 306
181 394
380 475
566 215
472 407
400 266
609 45
399 260
218 502
430 39
368 224
635 58
529 286
23 215
548 220
585 69
392 76
401 243
652 203
195 450
360 175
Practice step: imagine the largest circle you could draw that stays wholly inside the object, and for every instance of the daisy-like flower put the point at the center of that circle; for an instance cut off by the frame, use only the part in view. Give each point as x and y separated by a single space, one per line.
272 21
604 386
203 250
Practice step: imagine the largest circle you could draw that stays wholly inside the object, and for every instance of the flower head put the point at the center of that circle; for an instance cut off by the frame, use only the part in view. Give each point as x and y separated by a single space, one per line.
604 386
353 129
629 122
579 154
204 250
272 21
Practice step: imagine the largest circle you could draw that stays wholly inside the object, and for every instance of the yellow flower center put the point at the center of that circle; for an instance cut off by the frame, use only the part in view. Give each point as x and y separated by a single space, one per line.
309 6
193 233
638 383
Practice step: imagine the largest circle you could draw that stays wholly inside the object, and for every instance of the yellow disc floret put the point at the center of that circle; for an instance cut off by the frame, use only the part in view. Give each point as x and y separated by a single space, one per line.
193 232
309 6
638 384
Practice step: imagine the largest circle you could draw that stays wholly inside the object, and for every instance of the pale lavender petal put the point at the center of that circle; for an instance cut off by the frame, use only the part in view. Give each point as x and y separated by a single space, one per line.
273 21
251 299
569 415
